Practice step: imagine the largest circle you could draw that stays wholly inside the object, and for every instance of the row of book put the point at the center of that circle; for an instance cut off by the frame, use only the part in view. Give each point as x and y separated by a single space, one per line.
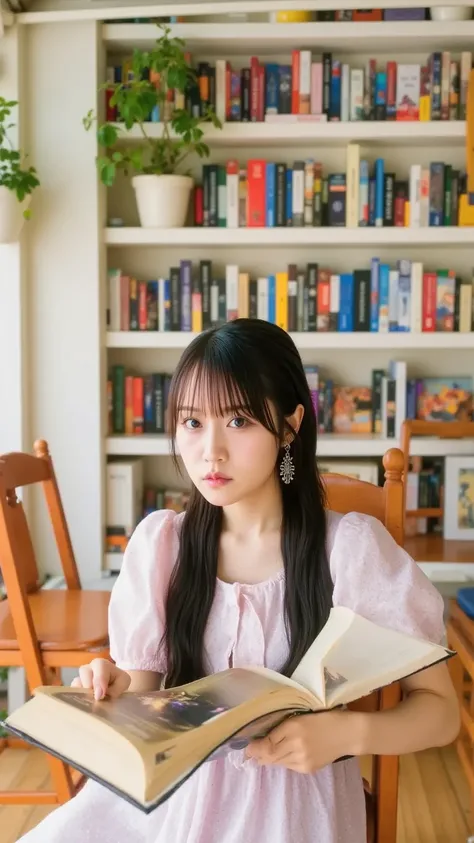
325 89
268 194
405 297
137 404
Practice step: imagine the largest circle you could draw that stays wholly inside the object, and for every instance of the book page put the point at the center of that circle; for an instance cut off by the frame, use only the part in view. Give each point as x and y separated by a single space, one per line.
310 673
367 657
158 716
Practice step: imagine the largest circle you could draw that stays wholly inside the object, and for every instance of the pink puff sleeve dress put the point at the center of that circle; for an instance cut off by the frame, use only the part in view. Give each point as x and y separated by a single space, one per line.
232 799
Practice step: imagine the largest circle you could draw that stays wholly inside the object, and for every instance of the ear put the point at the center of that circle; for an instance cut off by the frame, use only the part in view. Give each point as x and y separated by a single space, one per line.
294 422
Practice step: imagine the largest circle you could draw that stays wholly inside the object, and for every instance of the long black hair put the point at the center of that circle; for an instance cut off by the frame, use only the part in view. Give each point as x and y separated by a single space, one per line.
245 364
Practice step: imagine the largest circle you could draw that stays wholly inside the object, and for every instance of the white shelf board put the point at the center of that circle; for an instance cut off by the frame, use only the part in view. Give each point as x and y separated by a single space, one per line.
389 133
47 11
229 39
314 340
329 445
443 236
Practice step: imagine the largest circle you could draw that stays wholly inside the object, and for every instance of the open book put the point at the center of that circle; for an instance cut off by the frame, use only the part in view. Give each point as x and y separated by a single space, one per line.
144 745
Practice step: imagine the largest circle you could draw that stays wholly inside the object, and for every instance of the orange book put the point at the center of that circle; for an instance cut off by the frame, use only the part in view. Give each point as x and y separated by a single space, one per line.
282 300
129 405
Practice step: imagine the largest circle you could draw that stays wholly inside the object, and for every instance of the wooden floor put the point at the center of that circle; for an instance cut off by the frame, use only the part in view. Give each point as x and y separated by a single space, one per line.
434 798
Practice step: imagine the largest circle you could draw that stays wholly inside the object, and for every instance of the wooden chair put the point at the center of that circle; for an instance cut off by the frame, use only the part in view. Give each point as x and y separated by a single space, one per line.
345 494
43 630
460 637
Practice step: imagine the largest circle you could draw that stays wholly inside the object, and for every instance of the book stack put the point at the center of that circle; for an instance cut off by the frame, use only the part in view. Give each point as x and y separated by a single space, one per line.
137 403
268 194
400 297
317 88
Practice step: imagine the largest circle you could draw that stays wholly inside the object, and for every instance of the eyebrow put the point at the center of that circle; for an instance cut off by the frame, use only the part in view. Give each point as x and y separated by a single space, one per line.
198 410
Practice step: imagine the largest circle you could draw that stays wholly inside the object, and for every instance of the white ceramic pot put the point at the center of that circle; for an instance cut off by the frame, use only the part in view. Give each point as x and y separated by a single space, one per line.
11 215
451 13
162 201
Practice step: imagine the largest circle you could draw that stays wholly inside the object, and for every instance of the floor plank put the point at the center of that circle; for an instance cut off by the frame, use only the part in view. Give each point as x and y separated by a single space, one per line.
434 804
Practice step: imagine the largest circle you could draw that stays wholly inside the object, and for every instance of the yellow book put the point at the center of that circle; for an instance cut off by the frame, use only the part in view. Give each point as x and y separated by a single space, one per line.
196 313
243 295
282 300
407 214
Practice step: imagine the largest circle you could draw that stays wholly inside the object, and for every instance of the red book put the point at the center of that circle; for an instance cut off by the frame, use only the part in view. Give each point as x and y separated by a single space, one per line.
142 312
198 205
428 313
391 107
295 82
256 193
138 405
323 298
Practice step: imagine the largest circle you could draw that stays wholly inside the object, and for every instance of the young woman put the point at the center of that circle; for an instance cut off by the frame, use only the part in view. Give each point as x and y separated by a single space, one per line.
248 575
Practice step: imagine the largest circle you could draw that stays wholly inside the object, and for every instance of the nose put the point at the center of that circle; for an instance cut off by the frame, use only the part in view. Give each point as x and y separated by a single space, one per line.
214 445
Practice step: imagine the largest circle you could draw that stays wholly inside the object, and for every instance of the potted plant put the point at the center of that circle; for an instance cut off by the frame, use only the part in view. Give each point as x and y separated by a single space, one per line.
17 181
160 81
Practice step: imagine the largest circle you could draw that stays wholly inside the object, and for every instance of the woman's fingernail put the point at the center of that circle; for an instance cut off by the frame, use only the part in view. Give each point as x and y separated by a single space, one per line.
98 693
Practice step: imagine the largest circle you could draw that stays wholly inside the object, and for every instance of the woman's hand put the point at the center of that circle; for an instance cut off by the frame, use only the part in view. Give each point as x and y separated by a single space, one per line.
104 677
305 743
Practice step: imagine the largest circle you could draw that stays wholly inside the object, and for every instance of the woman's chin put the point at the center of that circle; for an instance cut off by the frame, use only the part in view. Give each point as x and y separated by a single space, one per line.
220 495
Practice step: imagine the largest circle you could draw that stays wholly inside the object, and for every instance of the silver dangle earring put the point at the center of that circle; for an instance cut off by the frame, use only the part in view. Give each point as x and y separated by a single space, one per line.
287 466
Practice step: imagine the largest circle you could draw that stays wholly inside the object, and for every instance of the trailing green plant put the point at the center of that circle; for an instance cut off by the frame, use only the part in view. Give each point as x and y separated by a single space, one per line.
154 73
14 172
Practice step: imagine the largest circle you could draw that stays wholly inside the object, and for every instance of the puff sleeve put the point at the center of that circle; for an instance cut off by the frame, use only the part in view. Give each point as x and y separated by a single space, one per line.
137 604
376 578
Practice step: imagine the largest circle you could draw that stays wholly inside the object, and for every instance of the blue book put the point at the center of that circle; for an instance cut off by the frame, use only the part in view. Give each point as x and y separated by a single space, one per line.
186 292
272 299
270 198
379 191
272 88
346 303
335 97
167 305
289 196
374 294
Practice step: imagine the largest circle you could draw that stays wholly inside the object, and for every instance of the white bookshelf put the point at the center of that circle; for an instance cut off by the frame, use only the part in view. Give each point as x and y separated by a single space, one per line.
67 294
306 341
233 39
284 237
443 133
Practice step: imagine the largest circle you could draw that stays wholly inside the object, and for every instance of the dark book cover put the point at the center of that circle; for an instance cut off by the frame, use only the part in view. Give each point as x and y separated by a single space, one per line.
362 299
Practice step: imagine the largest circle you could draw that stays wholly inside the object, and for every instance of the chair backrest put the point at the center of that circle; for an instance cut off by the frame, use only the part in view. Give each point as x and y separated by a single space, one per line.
17 557
346 494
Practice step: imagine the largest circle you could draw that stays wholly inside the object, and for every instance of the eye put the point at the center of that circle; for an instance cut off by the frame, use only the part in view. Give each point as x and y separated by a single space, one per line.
191 424
239 422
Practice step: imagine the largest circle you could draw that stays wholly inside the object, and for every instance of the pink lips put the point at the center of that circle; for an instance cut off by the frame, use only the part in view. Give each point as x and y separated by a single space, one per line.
216 480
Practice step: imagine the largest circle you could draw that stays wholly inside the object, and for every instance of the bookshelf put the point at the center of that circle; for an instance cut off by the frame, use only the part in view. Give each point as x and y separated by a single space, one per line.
329 445
69 244
299 134
268 38
284 237
304 341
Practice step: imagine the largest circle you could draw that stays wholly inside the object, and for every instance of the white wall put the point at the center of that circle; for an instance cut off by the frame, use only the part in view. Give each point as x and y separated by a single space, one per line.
64 337
13 416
